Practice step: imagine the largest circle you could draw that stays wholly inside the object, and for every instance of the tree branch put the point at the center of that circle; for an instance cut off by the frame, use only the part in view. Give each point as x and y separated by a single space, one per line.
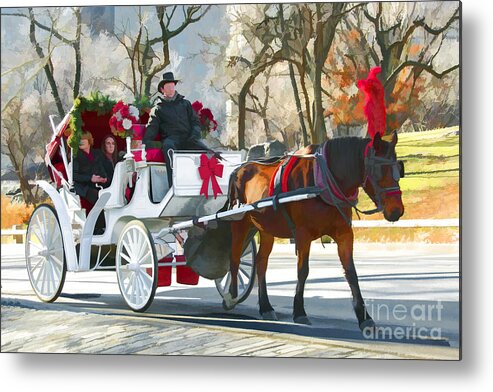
426 67
430 30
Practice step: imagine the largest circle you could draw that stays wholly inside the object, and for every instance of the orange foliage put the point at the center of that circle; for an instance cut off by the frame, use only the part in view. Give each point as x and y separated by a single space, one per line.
414 49
14 213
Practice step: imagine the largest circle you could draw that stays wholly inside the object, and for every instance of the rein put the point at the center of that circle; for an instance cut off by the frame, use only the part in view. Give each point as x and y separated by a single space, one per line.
338 197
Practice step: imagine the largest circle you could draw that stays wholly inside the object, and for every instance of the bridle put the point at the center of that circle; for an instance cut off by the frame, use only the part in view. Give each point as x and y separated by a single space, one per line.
374 171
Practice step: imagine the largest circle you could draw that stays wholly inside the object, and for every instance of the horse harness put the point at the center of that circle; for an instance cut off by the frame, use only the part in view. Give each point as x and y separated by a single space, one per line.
327 187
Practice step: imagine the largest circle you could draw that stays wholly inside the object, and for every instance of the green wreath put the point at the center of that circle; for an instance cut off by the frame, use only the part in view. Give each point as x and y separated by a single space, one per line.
95 102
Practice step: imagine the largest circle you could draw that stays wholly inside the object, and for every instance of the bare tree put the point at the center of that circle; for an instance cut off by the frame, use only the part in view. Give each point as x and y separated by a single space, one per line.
20 142
54 39
394 35
150 55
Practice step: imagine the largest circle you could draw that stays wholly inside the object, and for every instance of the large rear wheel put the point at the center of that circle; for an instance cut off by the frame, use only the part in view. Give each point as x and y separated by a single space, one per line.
45 256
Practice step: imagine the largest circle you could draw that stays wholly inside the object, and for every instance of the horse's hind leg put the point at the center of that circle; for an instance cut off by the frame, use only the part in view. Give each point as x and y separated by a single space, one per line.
239 232
345 250
266 244
303 247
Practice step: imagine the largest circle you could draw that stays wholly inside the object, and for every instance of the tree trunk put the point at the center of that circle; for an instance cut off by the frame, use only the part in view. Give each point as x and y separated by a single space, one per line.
48 68
78 57
242 113
325 32
298 104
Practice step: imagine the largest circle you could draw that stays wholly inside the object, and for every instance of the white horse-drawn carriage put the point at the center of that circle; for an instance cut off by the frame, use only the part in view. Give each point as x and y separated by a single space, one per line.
143 234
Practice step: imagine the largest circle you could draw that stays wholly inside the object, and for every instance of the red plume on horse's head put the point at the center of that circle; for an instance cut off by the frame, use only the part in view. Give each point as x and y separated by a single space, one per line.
374 102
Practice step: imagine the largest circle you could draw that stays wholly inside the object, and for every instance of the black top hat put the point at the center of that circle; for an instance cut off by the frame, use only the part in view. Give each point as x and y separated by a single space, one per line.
168 77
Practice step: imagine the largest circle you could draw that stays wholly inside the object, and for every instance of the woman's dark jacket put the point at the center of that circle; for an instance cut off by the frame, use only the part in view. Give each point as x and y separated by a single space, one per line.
173 118
109 169
84 168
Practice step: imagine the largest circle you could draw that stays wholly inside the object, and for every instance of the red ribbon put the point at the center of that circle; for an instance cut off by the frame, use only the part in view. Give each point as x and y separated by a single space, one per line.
210 169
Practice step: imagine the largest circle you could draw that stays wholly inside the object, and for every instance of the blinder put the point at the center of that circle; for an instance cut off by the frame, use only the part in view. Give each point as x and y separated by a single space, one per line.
401 169
374 173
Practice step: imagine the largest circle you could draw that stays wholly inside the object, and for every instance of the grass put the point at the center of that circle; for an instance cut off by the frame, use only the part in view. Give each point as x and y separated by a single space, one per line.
430 189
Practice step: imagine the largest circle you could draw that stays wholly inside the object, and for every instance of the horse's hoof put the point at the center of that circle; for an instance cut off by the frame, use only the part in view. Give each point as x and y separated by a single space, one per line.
367 326
269 316
302 320
228 302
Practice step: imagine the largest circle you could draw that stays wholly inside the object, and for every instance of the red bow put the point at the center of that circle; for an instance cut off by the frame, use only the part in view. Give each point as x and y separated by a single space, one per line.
210 169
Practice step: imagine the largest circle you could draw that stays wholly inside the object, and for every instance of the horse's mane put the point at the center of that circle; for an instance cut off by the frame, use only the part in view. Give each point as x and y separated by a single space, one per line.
345 157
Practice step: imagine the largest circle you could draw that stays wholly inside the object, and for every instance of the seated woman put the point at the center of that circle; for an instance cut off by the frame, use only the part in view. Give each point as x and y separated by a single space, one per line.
88 169
110 153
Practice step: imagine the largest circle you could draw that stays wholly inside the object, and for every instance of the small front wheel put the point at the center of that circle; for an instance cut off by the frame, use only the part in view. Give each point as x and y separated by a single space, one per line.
246 274
136 266
45 256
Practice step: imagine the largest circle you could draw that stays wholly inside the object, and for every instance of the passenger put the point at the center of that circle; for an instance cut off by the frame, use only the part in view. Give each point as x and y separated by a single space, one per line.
110 152
88 169
175 120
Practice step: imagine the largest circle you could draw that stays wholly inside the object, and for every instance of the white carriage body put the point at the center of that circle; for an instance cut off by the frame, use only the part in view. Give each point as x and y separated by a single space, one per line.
152 201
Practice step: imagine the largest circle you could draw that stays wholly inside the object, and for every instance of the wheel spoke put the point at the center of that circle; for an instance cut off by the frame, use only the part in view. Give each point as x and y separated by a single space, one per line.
39 267
136 288
141 242
55 250
227 283
38 263
51 277
55 238
147 279
41 237
57 261
143 288
56 267
141 260
128 247
129 285
124 256
37 246
42 276
132 242
242 282
37 233
244 272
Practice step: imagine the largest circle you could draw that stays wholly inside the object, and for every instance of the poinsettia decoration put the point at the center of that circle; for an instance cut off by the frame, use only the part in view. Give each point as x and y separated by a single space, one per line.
123 118
207 123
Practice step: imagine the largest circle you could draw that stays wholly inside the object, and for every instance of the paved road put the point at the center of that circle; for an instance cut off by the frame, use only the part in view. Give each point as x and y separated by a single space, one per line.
413 295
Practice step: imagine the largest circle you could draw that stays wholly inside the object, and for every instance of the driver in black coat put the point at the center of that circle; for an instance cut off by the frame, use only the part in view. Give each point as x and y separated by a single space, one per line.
175 120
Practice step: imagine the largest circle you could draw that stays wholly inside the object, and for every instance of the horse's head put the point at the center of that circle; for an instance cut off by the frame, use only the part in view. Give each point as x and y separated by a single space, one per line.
382 174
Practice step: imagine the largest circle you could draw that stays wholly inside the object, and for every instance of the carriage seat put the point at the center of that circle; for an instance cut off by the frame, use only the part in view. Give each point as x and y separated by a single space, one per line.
60 167
152 155
117 188
153 151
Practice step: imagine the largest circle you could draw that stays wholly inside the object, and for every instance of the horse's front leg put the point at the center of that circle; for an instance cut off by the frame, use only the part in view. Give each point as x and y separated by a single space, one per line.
345 249
303 244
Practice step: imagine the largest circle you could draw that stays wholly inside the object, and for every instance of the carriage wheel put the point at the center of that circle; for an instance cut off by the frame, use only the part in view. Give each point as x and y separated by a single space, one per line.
246 274
45 256
136 266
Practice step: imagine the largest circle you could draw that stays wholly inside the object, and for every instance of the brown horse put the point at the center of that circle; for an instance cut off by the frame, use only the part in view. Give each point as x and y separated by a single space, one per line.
353 163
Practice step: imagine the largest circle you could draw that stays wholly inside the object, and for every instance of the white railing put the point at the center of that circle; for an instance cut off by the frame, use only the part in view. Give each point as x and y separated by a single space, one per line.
454 222
18 235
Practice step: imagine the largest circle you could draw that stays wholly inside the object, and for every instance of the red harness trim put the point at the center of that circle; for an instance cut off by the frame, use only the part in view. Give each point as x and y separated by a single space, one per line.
392 193
285 176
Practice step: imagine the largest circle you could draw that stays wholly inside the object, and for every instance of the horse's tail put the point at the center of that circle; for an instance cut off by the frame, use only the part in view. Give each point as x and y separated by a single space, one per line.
233 191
